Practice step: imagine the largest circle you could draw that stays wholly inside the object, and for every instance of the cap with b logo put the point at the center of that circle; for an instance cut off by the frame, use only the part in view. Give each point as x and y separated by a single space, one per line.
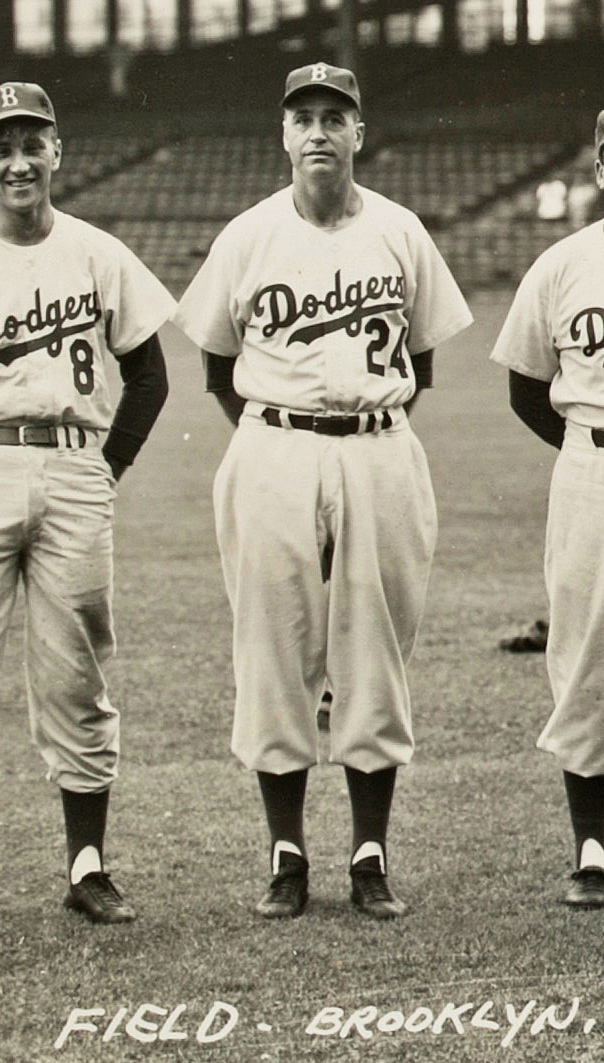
322 76
22 99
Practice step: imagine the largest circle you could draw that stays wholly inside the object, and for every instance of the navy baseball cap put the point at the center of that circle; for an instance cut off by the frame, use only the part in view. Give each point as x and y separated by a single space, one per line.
22 99
322 76
599 132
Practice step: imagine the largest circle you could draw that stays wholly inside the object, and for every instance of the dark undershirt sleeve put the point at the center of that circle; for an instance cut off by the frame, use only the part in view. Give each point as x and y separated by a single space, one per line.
529 399
422 367
145 389
219 371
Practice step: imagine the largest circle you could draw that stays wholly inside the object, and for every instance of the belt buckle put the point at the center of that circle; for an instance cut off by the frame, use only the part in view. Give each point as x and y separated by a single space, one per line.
21 430
317 418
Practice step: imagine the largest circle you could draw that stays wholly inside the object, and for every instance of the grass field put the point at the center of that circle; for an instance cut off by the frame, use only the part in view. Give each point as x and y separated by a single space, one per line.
487 963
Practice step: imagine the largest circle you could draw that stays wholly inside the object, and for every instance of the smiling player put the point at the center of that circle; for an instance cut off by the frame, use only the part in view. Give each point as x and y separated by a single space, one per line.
70 297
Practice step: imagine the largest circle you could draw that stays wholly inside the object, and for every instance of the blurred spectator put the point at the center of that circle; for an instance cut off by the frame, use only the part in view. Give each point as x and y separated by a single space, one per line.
120 58
552 199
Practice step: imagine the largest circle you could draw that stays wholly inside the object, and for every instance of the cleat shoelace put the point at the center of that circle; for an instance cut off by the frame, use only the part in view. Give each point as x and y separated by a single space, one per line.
102 889
286 885
374 886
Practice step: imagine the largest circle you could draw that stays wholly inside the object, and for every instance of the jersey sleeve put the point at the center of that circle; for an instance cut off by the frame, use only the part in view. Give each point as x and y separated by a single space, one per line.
525 342
137 303
207 311
439 310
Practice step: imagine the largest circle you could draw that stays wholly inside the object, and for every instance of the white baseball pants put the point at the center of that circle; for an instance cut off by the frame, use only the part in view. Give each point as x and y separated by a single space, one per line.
280 495
56 532
574 575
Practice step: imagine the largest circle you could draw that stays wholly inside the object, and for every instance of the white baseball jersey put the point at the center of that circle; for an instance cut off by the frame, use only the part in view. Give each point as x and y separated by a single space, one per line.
323 319
64 303
554 332
555 327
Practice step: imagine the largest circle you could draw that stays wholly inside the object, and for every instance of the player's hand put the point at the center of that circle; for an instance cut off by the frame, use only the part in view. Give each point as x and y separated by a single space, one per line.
117 467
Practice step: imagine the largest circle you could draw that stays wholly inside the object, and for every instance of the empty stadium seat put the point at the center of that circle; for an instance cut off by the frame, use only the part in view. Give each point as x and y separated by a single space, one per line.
168 198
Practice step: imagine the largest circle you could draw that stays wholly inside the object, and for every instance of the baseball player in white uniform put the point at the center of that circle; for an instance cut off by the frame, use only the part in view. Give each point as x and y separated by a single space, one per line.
70 296
317 312
552 343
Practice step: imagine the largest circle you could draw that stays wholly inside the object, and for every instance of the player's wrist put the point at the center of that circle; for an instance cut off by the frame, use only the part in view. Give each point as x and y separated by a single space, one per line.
117 465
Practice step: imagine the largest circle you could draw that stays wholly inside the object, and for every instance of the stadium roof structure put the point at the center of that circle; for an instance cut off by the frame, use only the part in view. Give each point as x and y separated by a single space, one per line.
80 26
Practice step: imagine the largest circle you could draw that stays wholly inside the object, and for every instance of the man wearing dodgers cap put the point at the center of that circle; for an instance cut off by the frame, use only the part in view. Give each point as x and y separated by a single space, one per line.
317 311
321 75
552 343
71 297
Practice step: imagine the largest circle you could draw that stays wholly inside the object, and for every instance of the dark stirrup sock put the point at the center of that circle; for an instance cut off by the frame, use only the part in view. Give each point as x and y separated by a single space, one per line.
586 807
283 797
85 820
370 801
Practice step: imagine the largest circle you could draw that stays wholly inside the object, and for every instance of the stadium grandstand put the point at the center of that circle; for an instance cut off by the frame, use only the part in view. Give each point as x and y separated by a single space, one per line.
480 114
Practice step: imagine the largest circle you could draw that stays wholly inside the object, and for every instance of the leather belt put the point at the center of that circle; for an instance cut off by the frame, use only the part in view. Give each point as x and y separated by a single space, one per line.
329 424
40 435
597 435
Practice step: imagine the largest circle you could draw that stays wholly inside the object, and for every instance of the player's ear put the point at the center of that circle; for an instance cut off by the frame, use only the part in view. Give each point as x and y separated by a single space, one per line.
360 136
284 136
58 147
599 174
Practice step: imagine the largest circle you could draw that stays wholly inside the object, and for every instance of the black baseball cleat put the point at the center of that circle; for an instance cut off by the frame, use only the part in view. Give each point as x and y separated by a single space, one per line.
532 640
371 893
288 892
586 889
97 897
